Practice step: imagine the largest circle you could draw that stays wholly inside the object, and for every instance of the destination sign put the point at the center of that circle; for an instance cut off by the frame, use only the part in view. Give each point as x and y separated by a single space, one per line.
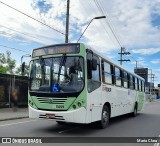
60 49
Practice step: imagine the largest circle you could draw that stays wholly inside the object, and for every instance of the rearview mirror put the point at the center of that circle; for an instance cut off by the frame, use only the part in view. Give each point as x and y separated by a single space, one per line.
89 69
23 67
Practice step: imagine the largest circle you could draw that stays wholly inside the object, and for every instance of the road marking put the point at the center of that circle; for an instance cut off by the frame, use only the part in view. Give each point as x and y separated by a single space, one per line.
17 123
157 144
68 130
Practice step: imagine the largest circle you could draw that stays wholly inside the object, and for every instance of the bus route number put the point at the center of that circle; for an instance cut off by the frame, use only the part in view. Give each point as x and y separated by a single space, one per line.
59 106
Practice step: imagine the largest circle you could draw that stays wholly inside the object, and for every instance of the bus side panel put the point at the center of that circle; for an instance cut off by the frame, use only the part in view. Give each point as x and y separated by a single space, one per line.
140 100
109 95
94 105
122 100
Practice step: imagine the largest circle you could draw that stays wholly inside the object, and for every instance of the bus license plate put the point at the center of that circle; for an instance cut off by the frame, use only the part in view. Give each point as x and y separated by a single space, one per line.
50 116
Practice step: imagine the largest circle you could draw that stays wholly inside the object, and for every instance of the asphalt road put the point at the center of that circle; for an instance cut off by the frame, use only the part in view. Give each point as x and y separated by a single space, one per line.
146 124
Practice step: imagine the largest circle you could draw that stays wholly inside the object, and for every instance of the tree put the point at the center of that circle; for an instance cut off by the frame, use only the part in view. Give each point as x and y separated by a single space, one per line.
8 61
3 69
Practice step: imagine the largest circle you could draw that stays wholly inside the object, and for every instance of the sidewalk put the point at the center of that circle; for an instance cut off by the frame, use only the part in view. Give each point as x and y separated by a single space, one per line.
8 114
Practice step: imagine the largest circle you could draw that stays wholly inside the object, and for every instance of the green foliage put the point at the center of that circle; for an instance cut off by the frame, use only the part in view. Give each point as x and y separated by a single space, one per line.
3 69
5 58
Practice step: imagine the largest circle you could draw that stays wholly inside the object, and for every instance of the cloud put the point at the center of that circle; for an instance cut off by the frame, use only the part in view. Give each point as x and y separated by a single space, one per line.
132 22
156 61
34 30
149 51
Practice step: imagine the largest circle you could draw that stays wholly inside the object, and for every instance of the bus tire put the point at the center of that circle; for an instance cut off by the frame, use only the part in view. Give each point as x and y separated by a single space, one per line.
134 114
105 116
61 122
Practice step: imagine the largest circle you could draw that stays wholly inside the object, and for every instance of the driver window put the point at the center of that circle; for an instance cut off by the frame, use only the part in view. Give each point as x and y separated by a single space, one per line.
93 81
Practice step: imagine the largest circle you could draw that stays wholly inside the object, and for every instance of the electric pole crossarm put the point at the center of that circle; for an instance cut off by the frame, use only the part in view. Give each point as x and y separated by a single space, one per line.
125 60
125 53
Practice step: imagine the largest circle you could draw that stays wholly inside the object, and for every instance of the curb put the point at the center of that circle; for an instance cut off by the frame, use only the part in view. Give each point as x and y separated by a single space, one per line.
14 118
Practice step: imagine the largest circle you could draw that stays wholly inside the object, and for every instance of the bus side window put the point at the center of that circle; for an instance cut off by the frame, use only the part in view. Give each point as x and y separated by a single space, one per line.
121 75
135 79
131 82
89 59
94 79
128 78
138 84
141 85
107 73
118 80
102 68
125 80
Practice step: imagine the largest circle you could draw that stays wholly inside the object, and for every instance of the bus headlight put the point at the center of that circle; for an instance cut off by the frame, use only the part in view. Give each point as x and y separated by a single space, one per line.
79 104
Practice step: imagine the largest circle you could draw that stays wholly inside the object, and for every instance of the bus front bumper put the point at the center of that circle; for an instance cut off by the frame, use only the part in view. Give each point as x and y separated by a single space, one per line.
75 116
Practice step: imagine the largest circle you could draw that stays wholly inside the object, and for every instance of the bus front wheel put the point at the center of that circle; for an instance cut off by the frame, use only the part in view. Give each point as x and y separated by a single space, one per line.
105 116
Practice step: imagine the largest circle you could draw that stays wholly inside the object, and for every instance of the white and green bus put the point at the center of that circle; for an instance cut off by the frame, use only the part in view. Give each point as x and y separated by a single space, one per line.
75 83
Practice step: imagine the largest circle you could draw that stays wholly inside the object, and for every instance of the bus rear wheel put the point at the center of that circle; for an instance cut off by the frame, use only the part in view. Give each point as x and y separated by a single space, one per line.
105 116
134 114
61 122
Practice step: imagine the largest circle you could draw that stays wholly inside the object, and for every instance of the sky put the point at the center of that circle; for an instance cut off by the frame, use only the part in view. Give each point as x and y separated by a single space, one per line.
135 23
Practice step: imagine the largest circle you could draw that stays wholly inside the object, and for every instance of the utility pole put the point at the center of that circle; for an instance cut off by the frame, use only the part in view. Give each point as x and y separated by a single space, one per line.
67 22
136 64
125 53
121 56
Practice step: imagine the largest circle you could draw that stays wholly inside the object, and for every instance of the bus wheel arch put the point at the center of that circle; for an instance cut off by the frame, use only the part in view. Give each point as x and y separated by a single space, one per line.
134 113
109 106
105 116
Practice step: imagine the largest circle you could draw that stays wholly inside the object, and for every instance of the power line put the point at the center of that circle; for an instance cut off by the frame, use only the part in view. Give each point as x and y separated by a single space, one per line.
110 21
22 33
102 12
31 17
14 48
98 29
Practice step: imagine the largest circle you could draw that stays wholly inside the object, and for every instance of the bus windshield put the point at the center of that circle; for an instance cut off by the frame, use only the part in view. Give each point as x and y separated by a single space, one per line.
58 74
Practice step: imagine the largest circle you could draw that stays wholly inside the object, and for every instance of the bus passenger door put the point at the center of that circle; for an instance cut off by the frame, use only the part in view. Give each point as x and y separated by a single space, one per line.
94 86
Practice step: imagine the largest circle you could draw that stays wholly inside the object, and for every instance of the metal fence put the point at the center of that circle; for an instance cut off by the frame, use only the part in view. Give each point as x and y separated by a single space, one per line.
10 82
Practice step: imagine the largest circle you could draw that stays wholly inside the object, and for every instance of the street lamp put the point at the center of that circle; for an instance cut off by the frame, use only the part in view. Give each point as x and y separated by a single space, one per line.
100 17
26 55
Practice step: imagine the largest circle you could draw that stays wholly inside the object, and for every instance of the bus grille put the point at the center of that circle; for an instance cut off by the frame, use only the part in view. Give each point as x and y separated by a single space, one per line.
52 100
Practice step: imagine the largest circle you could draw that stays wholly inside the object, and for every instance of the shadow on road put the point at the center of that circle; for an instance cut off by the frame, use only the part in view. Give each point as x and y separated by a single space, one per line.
72 129
116 125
